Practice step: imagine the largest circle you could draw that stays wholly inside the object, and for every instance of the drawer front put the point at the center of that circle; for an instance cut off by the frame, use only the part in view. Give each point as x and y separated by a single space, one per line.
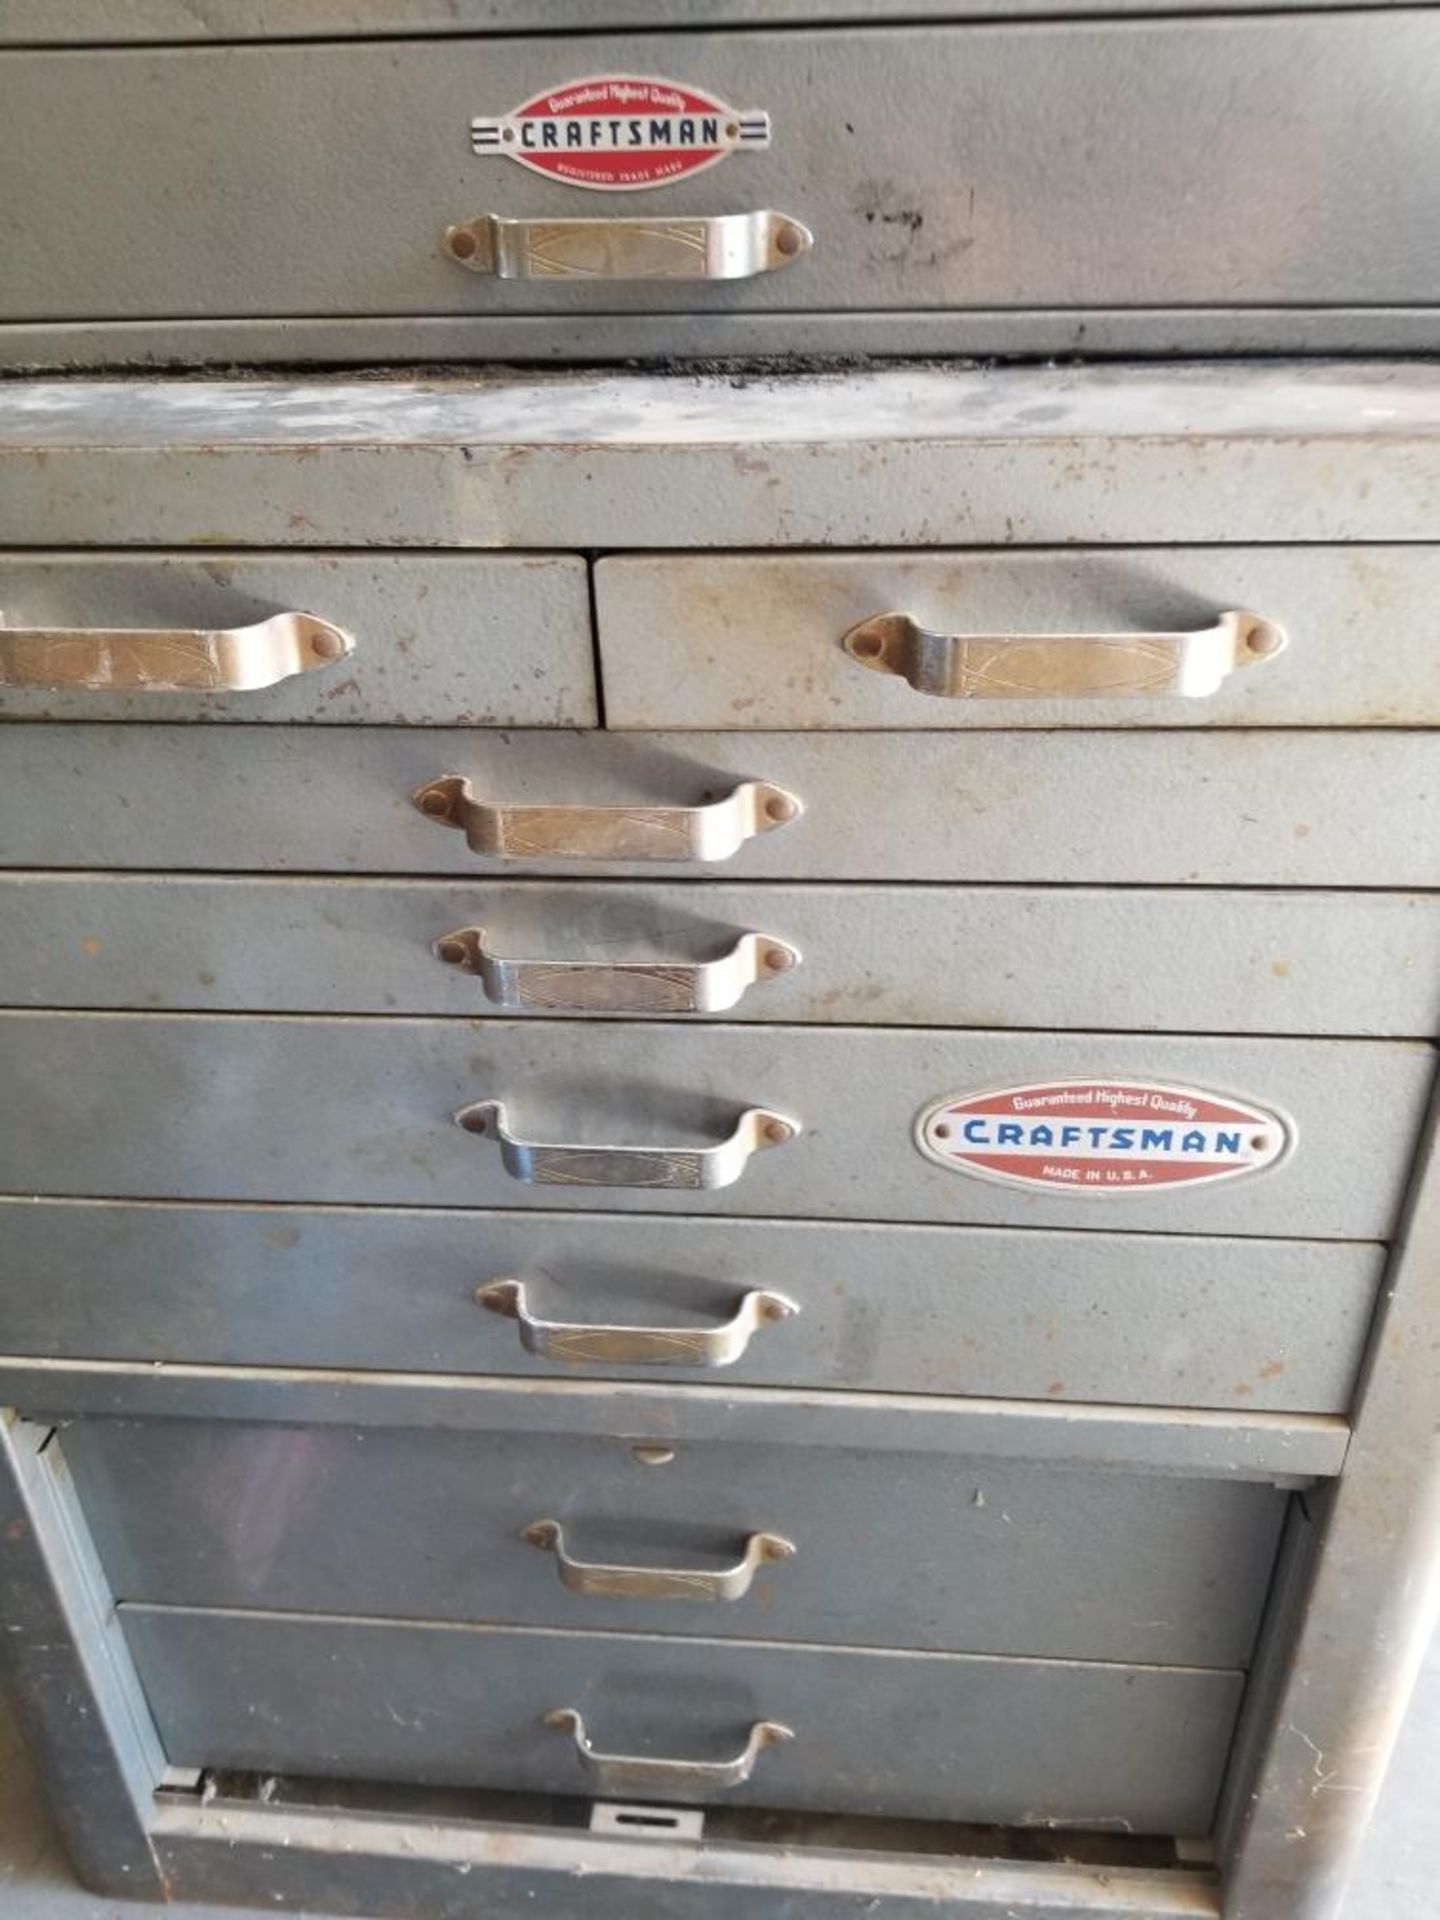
1263 1325
810 1543
363 1111
1304 808
455 639
1341 637
935 1736
1048 166
1184 960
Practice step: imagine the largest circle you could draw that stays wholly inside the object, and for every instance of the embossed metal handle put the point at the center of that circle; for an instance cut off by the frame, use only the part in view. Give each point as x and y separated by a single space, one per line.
618 986
557 1165
626 1773
713 831
1063 666
657 1583
170 660
725 246
575 1343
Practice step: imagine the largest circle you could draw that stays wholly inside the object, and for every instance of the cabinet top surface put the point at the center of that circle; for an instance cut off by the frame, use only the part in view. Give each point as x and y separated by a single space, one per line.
1276 400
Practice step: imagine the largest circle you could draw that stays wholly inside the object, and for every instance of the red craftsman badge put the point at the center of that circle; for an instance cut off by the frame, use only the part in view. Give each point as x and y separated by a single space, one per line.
1101 1136
619 132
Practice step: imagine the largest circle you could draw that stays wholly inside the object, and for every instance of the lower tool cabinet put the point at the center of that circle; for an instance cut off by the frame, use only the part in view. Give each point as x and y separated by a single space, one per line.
749 1224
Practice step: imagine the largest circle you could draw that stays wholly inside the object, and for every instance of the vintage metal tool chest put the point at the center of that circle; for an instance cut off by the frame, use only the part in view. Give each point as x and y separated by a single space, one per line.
717 1191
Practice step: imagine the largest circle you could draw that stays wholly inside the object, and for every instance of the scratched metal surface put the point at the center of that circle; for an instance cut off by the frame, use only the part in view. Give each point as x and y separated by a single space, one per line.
1090 173
753 640
498 640
912 456
110 22
1196 959
361 1110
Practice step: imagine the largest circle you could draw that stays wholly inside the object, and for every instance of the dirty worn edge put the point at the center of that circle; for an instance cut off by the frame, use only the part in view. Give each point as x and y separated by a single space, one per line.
374 1866
1370 1610
37 346
1275 1447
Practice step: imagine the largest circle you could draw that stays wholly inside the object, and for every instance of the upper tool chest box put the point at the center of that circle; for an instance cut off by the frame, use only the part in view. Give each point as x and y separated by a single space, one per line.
304 181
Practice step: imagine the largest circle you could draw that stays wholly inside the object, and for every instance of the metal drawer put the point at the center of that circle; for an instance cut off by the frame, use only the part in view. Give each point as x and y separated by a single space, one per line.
1157 637
1049 166
1188 959
1252 1324
1299 808
929 1736
318 1109
830 1544
473 639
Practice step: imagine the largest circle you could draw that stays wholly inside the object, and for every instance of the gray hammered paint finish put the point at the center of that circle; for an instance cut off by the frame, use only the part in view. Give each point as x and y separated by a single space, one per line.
1248 1324
305 1108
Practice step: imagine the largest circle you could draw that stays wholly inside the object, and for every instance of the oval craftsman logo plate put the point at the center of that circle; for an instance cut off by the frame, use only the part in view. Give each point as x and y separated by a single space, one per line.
619 132
1102 1136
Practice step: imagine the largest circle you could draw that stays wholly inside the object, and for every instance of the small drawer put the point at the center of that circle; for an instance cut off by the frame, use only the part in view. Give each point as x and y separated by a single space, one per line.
823 1122
824 1543
1304 808
923 1736
428 640
1124 637
1183 959
1249 1324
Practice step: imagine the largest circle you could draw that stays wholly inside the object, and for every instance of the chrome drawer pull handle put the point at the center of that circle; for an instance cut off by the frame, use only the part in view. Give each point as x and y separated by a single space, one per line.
1063 666
637 1346
565 1165
618 986
657 1583
725 246
170 660
713 831
623 1773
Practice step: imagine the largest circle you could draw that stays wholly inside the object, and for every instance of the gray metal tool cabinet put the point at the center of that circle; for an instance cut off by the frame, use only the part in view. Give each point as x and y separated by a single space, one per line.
717 1178
1065 1551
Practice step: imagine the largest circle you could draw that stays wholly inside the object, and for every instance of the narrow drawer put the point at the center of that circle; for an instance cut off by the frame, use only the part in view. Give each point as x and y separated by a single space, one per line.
1174 636
1304 808
1002 167
928 1736
424 639
831 1544
794 1121
1250 1324
1180 959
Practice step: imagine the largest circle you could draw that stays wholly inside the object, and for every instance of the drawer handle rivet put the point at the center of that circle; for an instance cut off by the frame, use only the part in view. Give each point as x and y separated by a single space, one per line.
453 952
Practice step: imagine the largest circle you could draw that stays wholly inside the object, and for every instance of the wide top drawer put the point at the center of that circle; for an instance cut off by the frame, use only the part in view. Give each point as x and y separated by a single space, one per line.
1139 637
1052 165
